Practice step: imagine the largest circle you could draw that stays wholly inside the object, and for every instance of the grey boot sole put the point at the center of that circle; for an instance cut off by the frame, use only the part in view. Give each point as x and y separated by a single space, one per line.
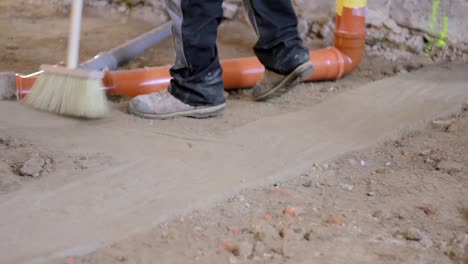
200 112
300 74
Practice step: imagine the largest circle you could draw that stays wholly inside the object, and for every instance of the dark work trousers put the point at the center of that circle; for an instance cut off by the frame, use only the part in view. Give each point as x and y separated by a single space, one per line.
197 74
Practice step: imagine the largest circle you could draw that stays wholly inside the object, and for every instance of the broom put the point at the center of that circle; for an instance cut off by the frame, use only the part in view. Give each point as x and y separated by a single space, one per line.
70 91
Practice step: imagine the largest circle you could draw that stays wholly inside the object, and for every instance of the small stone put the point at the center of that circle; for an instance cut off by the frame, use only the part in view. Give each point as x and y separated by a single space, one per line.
291 211
265 233
33 166
392 25
400 216
11 46
443 123
334 220
465 107
458 247
122 9
247 205
380 171
415 44
268 217
327 29
429 160
403 71
427 209
122 258
450 167
232 260
315 28
347 187
412 234
453 128
426 152
259 249
331 89
198 229
375 36
377 213
363 163
307 184
371 194
398 68
234 249
291 234
245 250
396 38
400 143
233 230
269 236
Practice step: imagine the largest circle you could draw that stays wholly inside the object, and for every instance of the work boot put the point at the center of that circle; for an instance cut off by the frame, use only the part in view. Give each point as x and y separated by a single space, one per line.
273 84
162 105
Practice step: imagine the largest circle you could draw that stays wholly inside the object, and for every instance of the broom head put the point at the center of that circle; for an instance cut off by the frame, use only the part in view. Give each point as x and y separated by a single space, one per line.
69 92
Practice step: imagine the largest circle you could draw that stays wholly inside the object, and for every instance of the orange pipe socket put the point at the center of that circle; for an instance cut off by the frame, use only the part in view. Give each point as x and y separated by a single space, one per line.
330 63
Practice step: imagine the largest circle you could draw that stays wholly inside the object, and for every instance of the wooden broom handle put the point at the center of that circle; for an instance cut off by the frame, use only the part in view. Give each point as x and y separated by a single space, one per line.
74 37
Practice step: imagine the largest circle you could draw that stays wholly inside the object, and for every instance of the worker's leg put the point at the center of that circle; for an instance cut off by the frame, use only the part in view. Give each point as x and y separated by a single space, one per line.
279 47
197 74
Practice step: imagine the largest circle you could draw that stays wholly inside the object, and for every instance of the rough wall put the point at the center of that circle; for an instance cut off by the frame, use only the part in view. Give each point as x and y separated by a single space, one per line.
414 15
404 22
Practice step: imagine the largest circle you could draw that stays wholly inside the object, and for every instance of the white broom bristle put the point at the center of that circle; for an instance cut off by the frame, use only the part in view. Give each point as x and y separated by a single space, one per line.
68 95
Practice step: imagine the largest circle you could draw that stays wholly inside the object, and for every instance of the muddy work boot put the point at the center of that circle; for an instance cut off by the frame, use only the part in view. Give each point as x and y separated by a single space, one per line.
273 84
163 105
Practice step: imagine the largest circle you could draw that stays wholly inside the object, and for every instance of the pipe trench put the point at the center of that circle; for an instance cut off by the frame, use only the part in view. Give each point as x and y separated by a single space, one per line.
330 63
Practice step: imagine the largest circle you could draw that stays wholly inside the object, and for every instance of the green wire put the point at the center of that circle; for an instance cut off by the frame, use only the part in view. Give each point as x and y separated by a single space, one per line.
443 34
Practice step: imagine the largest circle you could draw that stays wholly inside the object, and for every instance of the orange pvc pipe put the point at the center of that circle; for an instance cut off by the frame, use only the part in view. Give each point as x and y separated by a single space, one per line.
330 63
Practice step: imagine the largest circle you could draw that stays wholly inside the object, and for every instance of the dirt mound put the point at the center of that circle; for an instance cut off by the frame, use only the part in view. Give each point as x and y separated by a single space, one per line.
20 162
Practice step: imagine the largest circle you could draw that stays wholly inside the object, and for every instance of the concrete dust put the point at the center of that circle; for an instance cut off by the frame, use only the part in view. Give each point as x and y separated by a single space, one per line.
101 181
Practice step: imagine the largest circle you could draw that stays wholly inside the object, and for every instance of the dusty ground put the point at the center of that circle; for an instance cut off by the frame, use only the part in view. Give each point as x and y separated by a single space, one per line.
23 35
405 201
360 208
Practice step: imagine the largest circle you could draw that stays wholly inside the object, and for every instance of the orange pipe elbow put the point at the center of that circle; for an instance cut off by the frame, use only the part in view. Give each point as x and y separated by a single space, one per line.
330 63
